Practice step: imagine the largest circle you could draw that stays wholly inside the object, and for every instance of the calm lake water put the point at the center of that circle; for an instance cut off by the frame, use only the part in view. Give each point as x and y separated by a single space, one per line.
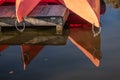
64 60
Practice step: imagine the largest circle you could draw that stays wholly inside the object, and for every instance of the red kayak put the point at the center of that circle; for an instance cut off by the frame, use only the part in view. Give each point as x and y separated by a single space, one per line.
86 9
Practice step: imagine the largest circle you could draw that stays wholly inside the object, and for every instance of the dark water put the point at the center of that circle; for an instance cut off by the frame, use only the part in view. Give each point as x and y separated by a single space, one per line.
64 60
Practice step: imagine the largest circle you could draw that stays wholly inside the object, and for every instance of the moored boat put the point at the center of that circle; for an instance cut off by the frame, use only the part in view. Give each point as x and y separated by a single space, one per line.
91 13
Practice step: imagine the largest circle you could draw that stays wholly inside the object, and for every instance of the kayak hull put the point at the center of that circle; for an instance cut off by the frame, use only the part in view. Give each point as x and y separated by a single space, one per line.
91 13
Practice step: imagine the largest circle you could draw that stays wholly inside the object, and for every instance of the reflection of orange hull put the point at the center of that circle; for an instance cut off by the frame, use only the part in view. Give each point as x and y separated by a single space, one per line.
86 9
29 53
85 41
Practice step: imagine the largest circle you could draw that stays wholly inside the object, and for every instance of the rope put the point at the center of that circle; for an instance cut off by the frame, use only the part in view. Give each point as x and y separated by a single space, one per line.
16 26
93 30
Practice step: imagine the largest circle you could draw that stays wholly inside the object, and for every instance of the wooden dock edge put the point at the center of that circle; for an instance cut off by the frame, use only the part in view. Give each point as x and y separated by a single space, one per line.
42 15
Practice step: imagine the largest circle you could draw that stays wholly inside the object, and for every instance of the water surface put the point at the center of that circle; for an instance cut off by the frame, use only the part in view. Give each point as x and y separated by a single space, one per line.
66 61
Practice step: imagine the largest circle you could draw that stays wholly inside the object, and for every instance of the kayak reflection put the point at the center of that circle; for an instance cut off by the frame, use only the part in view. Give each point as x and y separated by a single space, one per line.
81 36
89 45
29 53
31 45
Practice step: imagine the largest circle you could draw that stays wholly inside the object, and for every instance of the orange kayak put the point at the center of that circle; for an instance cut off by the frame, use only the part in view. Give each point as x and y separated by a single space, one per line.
86 9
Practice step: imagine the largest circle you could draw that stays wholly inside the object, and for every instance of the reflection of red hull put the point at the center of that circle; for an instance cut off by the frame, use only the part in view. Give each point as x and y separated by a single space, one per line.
91 13
3 47
29 53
